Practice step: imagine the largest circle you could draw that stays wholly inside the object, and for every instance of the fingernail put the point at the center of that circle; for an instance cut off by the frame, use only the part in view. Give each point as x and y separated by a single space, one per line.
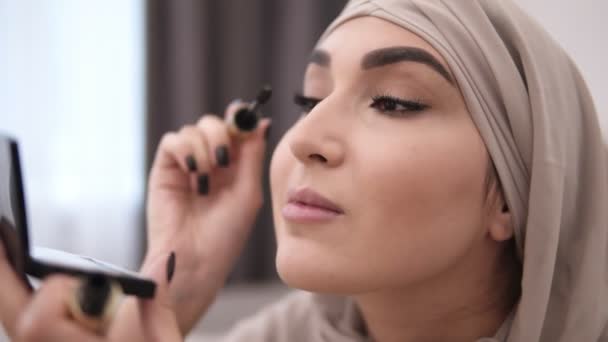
203 184
191 163
505 208
221 154
267 133
170 267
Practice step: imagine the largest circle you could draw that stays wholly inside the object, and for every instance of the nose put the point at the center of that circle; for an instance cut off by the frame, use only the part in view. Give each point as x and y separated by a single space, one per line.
318 137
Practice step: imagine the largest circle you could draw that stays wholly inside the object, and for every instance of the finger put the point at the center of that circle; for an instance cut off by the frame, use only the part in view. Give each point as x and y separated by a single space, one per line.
60 331
165 153
48 318
52 297
183 160
218 139
14 295
175 148
243 125
251 151
232 108
194 144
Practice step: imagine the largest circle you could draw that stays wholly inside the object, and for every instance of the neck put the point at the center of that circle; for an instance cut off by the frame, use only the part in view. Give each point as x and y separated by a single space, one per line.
450 308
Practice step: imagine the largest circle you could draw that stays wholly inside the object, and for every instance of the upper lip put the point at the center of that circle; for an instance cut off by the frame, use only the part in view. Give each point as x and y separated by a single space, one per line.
310 197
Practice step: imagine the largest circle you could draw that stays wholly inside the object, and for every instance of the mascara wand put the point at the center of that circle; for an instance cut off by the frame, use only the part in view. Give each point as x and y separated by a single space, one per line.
246 119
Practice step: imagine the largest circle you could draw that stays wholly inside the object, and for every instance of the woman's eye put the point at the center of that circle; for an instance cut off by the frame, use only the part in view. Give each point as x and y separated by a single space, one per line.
305 103
395 106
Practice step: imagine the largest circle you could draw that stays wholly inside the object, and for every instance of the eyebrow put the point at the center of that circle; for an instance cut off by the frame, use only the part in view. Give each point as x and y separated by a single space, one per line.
389 55
396 54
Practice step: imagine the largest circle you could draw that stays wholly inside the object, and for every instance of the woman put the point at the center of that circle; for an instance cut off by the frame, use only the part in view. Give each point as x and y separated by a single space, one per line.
457 155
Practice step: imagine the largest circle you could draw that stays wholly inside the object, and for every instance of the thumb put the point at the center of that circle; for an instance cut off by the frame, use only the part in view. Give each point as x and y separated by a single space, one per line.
251 150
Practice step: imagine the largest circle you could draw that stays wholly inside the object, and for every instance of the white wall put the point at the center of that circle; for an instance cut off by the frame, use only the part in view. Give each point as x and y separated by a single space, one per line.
71 91
581 27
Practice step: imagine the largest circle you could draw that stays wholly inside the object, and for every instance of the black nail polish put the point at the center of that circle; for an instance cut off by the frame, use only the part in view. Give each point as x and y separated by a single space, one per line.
191 163
221 154
505 208
170 267
267 133
203 184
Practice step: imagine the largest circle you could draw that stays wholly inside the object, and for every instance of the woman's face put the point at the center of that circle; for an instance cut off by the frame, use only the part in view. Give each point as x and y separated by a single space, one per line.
391 143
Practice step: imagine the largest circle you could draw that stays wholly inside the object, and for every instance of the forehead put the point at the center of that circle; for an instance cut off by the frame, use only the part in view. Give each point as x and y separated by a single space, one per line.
356 37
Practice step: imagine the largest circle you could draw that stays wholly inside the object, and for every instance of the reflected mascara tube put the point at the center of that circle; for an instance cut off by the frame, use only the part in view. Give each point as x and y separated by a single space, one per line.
245 120
95 302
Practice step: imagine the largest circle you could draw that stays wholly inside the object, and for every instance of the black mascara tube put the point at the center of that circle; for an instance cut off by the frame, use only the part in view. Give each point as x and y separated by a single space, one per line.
246 120
95 302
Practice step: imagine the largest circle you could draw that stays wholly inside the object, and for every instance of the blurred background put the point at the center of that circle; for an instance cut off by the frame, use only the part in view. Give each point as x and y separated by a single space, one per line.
89 87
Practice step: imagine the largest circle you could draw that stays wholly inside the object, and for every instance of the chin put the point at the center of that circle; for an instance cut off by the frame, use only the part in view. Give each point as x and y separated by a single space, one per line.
312 269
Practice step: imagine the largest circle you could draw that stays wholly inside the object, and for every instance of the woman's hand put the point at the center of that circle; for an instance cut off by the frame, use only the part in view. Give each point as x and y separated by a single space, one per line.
204 192
44 315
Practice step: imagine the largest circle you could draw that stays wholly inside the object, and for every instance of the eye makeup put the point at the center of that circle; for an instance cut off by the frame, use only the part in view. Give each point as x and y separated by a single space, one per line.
391 104
305 103
383 103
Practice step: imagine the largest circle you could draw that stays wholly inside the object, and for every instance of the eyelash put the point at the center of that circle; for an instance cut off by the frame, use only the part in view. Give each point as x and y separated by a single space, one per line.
408 106
379 102
305 103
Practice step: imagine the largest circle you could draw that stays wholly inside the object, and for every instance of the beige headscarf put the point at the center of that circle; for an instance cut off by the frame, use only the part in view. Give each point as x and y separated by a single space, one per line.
538 121
539 124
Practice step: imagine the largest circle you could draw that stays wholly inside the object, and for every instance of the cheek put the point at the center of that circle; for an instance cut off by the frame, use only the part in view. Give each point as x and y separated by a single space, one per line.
281 164
420 206
424 183
414 208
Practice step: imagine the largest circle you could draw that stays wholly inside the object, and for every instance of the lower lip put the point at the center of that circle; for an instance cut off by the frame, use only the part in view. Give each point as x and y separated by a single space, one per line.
305 213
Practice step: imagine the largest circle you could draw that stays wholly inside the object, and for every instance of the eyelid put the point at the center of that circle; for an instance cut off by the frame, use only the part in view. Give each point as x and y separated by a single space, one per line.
302 97
307 103
414 100
412 106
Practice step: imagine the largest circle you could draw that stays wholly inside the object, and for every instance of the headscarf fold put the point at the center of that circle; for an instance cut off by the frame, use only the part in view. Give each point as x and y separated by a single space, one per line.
538 122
